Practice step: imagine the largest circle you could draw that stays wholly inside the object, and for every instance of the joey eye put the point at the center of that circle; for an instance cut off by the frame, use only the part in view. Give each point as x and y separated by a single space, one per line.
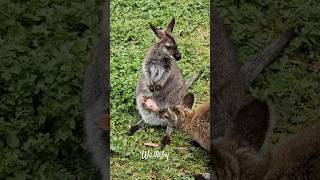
166 116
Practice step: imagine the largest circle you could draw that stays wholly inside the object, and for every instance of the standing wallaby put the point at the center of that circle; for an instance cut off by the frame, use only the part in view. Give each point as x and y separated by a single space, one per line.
161 79
195 123
237 157
95 99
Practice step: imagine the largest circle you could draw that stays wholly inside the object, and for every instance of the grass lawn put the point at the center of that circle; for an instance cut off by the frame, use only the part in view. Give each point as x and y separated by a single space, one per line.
130 40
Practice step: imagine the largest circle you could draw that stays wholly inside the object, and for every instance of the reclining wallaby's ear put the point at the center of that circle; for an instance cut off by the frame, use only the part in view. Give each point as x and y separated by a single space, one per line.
188 100
170 26
251 125
156 31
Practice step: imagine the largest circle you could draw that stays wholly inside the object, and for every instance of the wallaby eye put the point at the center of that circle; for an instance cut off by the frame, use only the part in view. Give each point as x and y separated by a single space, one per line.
169 47
166 116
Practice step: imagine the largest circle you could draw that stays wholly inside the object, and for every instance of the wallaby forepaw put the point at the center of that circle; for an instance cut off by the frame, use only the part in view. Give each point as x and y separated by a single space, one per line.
157 87
151 88
165 140
148 103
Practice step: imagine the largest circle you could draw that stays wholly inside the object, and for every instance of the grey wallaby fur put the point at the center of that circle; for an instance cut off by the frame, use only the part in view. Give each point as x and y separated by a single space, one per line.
95 100
160 78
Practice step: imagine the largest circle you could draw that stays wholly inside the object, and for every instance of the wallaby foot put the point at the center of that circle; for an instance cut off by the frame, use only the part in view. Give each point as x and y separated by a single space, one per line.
203 176
165 140
154 88
135 127
193 79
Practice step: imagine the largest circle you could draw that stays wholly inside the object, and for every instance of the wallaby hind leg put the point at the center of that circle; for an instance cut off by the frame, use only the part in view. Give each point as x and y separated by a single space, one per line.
194 78
135 127
166 138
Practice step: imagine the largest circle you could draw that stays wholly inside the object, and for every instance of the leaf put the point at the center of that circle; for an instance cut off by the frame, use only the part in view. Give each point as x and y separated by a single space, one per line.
150 144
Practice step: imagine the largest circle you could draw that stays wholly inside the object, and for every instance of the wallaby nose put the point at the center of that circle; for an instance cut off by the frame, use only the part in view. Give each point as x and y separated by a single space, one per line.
177 56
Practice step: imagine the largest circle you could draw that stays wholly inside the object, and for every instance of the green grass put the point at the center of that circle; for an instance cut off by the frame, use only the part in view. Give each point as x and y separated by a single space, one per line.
130 40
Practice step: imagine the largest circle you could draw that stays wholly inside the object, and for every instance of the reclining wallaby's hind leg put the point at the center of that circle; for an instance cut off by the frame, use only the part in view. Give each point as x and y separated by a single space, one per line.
262 59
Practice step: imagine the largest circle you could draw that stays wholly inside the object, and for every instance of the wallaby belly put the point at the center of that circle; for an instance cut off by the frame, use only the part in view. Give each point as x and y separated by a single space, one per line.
170 94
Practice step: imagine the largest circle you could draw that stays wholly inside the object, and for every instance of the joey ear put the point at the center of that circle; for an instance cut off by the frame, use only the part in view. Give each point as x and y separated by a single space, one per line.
188 100
251 125
170 26
156 31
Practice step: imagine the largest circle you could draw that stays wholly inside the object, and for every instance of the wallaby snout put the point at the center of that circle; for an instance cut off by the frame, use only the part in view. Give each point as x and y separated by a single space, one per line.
177 56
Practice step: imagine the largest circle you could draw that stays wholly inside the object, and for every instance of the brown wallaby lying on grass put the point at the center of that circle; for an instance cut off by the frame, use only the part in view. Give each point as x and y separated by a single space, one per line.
161 78
195 123
95 99
237 156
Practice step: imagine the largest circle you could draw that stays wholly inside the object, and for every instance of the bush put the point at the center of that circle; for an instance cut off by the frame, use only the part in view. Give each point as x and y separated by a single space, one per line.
44 52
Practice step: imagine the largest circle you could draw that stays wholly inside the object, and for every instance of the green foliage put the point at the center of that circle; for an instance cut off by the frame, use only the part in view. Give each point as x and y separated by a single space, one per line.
130 40
44 52
291 83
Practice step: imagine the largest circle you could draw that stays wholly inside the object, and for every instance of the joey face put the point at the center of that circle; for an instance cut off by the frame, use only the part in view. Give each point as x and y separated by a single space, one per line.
169 116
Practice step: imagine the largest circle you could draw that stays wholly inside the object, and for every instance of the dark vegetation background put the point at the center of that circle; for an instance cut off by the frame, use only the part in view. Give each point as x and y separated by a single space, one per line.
292 83
44 49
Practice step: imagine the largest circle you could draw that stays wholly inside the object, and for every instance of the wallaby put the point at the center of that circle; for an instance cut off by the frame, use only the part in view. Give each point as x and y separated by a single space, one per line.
95 99
238 157
229 80
195 123
161 78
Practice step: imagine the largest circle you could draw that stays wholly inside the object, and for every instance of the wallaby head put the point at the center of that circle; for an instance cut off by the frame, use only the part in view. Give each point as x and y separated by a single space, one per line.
166 43
235 156
172 115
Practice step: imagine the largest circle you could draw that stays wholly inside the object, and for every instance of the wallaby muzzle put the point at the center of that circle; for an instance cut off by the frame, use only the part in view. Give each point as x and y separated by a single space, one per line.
177 56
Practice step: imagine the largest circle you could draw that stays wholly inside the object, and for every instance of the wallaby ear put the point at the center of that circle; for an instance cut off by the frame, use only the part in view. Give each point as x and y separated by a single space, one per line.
188 100
170 26
251 125
156 31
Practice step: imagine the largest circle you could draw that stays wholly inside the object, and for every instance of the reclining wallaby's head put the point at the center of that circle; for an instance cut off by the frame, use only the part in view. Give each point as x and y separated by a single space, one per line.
166 43
236 156
172 115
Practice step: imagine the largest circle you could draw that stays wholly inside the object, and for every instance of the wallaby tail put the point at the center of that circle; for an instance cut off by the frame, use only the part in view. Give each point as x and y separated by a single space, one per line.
194 78
262 59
